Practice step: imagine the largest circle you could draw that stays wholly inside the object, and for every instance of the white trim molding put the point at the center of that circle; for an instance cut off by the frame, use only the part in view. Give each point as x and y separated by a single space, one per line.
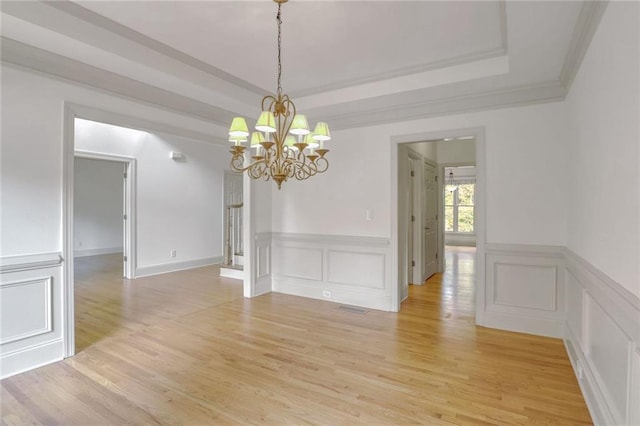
163 268
525 289
31 315
263 266
337 268
29 261
602 337
97 251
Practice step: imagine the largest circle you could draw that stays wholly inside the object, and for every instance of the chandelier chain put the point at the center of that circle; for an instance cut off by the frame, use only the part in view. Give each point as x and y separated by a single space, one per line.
279 19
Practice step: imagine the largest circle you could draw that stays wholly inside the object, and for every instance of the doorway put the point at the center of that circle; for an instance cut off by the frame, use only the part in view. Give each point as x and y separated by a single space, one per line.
105 184
400 216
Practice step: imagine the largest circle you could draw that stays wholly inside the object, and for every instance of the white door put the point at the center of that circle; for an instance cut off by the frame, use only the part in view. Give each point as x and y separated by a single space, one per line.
430 231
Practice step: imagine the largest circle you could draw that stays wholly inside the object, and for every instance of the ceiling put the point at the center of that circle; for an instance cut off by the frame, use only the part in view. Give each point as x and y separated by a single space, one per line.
351 63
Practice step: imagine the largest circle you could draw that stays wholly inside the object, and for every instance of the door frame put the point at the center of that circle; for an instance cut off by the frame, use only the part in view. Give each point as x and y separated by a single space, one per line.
439 238
398 148
130 197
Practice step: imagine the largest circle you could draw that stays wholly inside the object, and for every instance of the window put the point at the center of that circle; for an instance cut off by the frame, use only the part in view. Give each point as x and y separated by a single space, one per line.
459 206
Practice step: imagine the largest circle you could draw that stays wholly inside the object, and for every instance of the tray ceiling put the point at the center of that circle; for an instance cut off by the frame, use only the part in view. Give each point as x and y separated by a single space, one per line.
353 62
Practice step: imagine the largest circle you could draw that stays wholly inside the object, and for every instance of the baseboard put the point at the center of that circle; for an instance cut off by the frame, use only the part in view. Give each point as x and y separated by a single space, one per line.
97 251
31 357
236 274
338 295
523 324
145 271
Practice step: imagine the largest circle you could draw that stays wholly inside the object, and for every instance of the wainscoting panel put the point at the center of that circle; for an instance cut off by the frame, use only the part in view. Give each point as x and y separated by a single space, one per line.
264 260
263 264
26 309
343 269
525 289
575 311
602 337
30 312
299 262
356 268
608 352
525 286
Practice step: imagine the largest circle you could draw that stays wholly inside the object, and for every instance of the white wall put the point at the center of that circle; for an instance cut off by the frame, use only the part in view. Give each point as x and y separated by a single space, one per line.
32 143
525 158
179 202
604 171
455 151
603 232
428 150
98 207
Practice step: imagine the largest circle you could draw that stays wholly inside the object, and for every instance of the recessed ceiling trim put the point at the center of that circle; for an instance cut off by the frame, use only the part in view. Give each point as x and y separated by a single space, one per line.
17 53
503 98
450 62
107 24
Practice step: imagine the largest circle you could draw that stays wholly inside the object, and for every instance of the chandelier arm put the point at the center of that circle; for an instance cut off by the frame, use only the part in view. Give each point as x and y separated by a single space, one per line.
271 101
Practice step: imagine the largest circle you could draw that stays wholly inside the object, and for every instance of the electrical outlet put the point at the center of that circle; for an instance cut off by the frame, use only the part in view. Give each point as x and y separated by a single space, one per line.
326 293
173 253
580 372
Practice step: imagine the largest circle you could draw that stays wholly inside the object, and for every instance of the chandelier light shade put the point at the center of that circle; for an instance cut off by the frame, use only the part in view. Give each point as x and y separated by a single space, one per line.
284 145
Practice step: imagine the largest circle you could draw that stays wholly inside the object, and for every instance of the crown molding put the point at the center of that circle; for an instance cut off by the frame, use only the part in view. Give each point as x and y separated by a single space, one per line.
583 32
120 30
33 58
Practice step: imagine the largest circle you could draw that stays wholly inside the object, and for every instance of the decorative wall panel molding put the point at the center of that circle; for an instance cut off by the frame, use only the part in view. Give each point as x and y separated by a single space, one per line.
602 337
263 263
337 268
356 268
525 289
30 312
25 309
299 262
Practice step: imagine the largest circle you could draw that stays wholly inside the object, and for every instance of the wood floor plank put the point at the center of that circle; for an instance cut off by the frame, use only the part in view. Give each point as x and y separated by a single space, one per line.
187 349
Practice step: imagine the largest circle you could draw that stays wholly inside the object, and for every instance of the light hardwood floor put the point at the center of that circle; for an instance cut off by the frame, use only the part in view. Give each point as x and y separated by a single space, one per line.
186 348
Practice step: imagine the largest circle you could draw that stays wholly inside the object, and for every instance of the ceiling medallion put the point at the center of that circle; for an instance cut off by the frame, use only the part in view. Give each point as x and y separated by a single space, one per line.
285 148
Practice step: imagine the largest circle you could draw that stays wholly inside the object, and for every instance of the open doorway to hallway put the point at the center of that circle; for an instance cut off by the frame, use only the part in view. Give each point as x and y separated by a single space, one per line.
436 204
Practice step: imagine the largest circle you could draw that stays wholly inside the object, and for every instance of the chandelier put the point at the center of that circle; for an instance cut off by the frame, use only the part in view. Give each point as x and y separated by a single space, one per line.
284 146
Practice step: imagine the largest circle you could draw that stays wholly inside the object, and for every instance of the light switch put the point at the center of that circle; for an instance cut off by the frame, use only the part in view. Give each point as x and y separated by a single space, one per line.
369 214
